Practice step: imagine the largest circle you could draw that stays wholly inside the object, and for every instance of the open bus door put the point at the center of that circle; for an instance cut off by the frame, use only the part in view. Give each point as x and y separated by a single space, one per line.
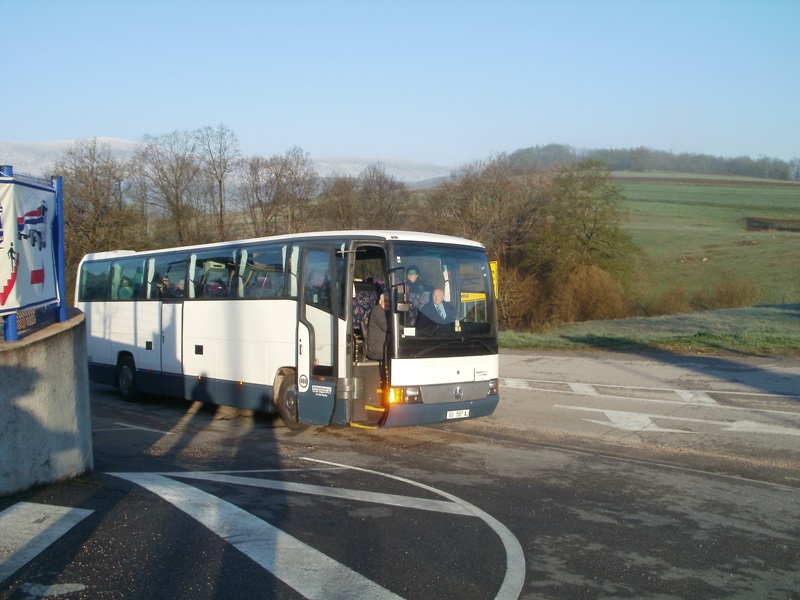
316 336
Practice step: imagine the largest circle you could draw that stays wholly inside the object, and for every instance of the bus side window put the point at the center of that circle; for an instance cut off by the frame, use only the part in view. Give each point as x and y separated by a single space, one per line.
94 281
265 267
318 290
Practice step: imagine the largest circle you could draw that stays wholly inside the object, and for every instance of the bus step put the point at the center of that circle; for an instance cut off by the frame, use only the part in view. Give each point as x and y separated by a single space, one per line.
363 425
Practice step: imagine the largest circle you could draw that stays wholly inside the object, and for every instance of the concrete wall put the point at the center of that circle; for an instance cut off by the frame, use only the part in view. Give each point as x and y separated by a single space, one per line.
45 418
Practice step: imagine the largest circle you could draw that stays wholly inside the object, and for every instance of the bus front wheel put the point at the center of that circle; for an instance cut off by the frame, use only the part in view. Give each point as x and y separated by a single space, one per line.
287 404
126 379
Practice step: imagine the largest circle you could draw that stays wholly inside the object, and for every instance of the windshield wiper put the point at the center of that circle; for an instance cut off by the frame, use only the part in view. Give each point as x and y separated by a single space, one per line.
475 340
430 349
455 343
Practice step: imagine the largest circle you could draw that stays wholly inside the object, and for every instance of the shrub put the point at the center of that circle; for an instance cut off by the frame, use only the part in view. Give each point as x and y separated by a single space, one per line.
730 292
518 301
673 300
589 294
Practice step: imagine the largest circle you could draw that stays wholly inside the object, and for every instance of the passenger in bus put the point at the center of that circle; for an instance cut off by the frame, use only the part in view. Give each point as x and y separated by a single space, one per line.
377 326
163 287
418 293
125 291
215 289
413 283
436 312
180 288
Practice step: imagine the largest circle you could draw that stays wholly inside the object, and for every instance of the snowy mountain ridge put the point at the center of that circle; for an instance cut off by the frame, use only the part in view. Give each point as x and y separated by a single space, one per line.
38 158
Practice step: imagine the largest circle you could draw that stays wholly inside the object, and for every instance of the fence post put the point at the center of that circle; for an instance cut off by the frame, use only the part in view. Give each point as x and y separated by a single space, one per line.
58 245
10 333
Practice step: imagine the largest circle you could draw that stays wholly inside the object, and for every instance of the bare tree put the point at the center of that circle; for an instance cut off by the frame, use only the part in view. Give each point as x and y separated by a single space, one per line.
171 169
338 206
384 200
96 217
295 183
255 197
375 200
275 194
488 202
218 150
136 193
794 169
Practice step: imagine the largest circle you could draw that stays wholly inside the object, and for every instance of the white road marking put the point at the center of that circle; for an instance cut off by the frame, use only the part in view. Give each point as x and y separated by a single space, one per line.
308 571
584 389
696 397
36 590
128 427
515 558
596 389
318 490
283 555
629 421
754 427
516 383
27 528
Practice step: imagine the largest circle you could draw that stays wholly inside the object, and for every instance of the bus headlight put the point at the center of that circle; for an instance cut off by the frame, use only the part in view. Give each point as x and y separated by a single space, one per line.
494 386
399 395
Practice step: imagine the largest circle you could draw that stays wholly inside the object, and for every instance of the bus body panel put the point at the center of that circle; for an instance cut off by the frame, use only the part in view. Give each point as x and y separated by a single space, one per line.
404 415
172 349
238 341
427 371
147 319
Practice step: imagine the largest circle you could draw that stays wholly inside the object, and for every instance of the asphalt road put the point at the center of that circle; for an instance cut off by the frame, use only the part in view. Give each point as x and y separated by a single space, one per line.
599 476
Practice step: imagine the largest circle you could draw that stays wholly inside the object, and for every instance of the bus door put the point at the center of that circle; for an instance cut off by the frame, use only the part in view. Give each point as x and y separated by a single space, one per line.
159 337
316 335
171 348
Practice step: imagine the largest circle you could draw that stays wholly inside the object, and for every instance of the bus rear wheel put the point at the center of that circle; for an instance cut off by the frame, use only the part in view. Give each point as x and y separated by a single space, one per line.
126 379
287 404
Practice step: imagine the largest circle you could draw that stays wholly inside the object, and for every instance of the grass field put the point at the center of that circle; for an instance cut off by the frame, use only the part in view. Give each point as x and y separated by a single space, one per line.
694 231
756 331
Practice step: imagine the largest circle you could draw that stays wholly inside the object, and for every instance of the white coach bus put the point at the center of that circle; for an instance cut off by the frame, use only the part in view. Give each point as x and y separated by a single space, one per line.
279 323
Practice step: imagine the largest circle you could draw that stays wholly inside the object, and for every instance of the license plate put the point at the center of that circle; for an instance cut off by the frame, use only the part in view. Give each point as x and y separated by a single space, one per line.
458 414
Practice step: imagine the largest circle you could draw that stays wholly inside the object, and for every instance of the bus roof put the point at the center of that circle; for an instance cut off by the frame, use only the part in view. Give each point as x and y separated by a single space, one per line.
357 234
108 254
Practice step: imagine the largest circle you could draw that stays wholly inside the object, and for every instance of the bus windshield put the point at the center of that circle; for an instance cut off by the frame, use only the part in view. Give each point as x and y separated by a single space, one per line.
443 294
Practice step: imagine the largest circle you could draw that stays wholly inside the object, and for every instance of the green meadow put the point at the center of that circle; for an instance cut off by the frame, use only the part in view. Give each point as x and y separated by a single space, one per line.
693 232
755 331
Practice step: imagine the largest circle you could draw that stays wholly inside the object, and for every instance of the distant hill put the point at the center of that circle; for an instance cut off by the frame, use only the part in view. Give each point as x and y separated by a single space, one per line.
38 158
643 159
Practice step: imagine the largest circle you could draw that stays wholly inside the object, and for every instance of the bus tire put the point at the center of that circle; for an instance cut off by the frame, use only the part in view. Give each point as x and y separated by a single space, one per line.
287 404
126 379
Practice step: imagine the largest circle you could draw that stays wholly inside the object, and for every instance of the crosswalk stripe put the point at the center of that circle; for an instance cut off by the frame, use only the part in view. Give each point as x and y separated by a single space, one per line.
26 529
583 389
443 506
310 572
516 383
696 397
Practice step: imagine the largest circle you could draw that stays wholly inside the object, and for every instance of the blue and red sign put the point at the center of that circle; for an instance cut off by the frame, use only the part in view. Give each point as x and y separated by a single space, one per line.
27 262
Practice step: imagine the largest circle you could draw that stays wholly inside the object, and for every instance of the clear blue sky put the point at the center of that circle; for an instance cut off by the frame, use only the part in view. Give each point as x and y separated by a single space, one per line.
441 82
